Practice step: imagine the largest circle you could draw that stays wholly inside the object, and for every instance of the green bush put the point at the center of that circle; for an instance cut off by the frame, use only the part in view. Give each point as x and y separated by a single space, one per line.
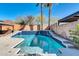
75 34
77 27
76 40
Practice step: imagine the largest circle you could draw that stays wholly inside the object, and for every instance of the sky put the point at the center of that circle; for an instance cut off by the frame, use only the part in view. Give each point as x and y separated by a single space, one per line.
10 11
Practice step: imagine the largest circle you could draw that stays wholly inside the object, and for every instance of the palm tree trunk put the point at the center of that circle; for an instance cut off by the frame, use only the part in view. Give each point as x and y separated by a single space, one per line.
49 17
13 27
41 17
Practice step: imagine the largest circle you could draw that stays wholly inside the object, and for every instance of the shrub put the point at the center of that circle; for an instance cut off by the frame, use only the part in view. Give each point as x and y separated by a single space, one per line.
77 27
74 34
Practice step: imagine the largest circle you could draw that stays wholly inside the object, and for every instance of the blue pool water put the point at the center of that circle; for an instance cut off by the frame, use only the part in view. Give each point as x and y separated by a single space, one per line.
27 40
47 43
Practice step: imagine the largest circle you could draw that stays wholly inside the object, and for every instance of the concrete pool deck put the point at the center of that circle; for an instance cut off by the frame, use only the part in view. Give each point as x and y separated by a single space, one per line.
10 42
69 52
7 44
9 51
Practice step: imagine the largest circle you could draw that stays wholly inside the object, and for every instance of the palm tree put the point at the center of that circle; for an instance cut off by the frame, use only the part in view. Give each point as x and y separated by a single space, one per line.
49 5
38 20
41 5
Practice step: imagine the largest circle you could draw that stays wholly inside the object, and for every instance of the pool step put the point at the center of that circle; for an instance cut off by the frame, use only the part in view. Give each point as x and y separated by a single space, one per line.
68 45
67 42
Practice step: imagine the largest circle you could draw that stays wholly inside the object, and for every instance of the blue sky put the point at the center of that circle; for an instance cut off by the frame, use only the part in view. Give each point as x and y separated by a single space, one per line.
10 11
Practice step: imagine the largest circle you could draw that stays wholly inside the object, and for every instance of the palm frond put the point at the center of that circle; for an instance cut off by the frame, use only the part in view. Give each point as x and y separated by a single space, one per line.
47 4
37 4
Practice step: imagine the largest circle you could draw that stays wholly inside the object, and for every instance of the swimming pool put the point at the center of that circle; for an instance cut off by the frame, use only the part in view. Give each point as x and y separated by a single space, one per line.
41 39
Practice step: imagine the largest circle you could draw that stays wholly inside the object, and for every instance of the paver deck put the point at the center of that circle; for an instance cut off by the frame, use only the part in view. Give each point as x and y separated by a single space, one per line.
7 44
9 51
69 52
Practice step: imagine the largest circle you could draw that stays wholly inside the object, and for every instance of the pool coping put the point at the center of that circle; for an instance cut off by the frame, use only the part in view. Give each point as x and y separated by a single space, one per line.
21 40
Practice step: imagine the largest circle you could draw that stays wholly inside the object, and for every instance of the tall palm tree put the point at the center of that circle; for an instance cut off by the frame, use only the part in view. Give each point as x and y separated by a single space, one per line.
41 9
49 5
38 20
